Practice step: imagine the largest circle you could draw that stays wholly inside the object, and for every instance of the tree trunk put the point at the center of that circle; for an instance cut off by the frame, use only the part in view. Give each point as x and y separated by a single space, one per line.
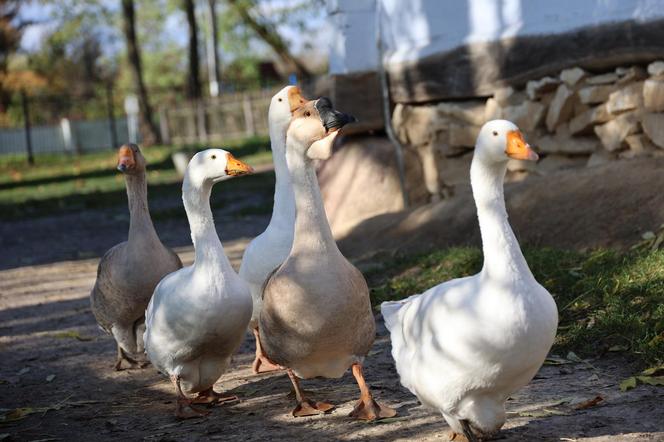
148 128
194 78
213 51
270 36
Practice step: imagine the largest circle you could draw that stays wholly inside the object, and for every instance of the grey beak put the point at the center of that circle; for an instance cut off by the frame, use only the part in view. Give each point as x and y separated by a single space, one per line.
122 167
332 118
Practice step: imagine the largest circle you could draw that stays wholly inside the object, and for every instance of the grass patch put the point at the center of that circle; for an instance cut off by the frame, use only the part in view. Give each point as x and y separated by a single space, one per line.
63 182
608 301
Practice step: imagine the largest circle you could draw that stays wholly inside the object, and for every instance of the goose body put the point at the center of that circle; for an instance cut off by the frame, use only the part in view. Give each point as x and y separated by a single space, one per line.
129 272
316 318
198 315
268 250
464 346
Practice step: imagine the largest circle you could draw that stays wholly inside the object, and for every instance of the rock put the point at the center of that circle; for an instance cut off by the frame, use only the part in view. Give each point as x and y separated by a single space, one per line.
627 75
492 110
639 145
455 171
596 94
503 95
600 157
653 126
469 112
553 163
656 68
613 133
572 76
628 98
416 125
584 122
561 107
569 145
653 95
579 108
607 78
527 115
463 135
537 88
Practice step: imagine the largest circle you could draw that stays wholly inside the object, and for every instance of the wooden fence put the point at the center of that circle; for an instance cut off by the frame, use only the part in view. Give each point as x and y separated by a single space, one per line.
229 117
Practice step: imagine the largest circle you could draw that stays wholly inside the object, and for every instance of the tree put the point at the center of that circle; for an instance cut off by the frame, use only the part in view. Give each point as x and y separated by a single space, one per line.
194 78
148 127
11 31
267 32
213 49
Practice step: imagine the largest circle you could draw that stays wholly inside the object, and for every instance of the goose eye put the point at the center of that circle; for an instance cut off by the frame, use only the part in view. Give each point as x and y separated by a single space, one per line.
281 99
214 157
307 114
495 134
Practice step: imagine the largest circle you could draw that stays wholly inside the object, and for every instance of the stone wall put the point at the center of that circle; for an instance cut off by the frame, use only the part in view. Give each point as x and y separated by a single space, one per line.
576 119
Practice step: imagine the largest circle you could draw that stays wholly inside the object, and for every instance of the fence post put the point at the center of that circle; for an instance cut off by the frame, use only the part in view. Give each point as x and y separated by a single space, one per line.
163 126
26 120
200 117
250 127
67 136
111 117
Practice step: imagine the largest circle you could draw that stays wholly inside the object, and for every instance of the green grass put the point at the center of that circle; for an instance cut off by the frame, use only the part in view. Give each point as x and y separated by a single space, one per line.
608 301
63 182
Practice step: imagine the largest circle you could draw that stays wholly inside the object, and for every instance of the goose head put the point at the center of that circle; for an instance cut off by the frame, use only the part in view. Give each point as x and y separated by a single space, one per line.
283 105
213 165
500 140
130 159
314 127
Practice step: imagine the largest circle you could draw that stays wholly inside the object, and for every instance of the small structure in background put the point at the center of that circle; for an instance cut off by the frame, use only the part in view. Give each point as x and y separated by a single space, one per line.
132 110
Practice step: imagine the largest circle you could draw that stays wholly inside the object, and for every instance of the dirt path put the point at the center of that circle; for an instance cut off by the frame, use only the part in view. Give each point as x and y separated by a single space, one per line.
48 333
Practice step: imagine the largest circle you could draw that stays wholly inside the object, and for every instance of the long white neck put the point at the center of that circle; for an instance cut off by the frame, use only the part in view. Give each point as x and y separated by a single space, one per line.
141 228
503 259
283 211
209 253
312 229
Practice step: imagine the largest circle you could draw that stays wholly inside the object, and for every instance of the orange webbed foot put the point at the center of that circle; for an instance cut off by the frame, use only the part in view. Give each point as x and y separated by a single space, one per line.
371 410
311 408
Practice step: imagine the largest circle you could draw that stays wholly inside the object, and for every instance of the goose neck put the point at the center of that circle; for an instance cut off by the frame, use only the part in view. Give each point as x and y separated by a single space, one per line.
208 251
283 211
140 223
312 229
503 259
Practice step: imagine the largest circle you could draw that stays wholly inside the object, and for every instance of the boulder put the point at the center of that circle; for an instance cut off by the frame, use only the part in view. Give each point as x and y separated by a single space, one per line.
608 78
527 115
613 133
471 112
596 94
653 126
463 135
416 125
639 145
492 110
537 88
569 145
653 95
456 170
561 107
584 122
572 76
656 68
503 96
627 98
599 158
627 75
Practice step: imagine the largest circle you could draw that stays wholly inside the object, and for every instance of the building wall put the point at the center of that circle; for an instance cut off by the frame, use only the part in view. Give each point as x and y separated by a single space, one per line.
415 29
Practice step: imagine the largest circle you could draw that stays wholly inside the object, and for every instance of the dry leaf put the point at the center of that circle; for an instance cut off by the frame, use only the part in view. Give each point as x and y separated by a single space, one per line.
589 403
50 377
73 334
16 414
628 384
651 380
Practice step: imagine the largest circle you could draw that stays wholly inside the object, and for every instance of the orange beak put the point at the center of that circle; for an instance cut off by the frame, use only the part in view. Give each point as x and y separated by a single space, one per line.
517 147
125 159
235 167
295 99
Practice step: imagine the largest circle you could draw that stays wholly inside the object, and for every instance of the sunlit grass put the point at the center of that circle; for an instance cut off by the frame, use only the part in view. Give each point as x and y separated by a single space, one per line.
608 301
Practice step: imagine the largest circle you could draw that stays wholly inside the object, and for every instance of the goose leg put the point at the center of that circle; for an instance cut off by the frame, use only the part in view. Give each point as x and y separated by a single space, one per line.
122 356
184 408
306 407
261 363
367 408
210 396
467 431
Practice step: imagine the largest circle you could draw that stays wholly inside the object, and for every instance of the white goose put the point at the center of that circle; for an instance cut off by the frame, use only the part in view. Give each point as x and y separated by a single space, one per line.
198 315
269 249
462 347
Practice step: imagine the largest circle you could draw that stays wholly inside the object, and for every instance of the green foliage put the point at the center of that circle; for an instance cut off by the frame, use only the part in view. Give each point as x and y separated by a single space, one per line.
608 301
